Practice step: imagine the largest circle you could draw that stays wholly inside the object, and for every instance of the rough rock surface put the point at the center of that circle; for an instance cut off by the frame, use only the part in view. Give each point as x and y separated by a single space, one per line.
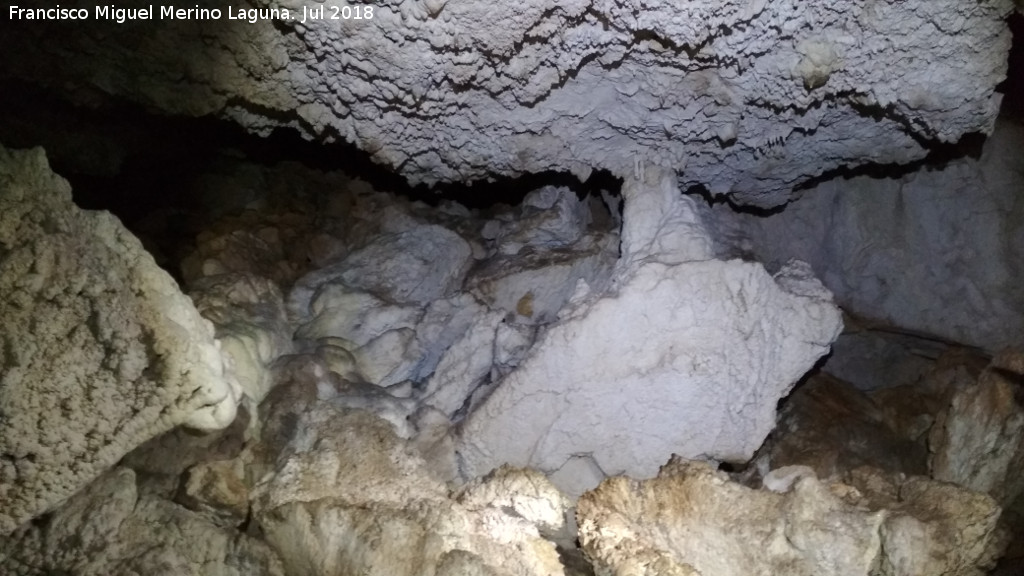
745 97
936 251
832 427
687 355
348 496
978 440
100 349
109 528
250 323
692 521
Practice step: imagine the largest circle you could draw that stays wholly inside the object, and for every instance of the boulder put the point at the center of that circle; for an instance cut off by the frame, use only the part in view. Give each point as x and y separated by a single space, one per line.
832 427
109 528
250 322
415 265
101 350
978 440
350 498
691 520
686 354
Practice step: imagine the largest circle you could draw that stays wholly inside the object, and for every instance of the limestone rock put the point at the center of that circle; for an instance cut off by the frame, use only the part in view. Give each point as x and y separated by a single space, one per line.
160 463
101 350
253 252
389 358
351 499
444 323
340 312
251 324
832 427
931 527
533 286
692 520
525 492
877 242
217 489
310 372
686 357
110 529
547 219
413 266
463 366
746 98
978 441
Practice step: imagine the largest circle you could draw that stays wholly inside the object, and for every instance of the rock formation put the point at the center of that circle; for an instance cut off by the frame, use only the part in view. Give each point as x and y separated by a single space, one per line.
685 354
892 248
100 349
747 98
386 418
692 521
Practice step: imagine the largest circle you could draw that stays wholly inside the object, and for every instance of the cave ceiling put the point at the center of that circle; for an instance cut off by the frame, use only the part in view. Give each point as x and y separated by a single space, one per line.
749 98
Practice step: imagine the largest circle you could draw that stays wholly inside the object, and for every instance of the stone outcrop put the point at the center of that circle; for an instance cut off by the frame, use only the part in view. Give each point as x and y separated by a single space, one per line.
109 528
693 521
250 323
832 427
978 440
934 251
100 349
348 496
747 98
685 354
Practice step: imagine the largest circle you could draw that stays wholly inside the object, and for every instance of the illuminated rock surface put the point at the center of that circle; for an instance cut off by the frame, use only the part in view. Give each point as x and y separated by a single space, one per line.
101 350
744 97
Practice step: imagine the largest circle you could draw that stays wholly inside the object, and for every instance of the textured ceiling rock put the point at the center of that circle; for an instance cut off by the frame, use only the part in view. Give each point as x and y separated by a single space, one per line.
747 97
100 349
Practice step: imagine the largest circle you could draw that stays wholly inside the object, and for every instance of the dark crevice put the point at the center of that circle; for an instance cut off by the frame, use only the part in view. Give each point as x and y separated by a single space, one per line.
939 155
1012 88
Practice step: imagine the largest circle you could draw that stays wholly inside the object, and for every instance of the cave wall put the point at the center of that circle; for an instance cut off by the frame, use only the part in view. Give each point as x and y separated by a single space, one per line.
938 250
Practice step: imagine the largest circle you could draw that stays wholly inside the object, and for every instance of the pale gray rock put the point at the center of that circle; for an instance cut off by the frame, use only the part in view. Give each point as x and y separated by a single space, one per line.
512 342
338 311
936 251
547 219
444 323
464 366
416 266
684 356
101 350
748 98
532 287
251 324
389 358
